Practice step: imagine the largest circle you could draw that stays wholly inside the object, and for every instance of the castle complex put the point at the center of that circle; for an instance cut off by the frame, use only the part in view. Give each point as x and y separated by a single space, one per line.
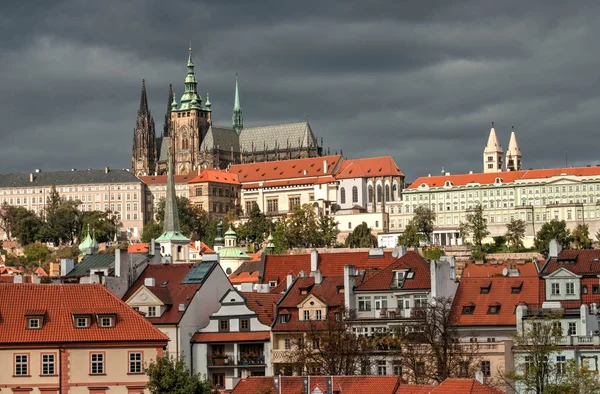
196 143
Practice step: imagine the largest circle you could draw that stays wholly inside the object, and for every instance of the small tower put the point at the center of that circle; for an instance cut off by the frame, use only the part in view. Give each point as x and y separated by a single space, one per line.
167 125
230 238
513 154
238 115
270 245
219 241
89 244
493 154
143 158
174 246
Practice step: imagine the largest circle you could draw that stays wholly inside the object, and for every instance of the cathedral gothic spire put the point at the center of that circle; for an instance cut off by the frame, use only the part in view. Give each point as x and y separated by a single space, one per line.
167 124
190 98
144 138
513 153
492 154
238 115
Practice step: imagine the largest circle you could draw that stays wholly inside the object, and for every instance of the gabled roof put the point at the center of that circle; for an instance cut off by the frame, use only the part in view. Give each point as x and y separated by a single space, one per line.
263 304
368 167
247 272
341 384
173 275
411 261
581 262
138 248
278 135
59 303
475 277
223 138
162 179
59 178
464 386
92 261
216 176
296 169
507 177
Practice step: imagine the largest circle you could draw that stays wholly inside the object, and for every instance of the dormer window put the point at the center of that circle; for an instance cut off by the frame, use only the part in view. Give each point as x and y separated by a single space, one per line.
35 319
81 321
34 323
398 279
516 288
485 288
285 318
106 321
494 309
468 309
272 283
151 311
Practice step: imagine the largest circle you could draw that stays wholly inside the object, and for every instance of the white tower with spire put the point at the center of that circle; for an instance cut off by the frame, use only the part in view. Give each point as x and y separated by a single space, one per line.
513 154
493 154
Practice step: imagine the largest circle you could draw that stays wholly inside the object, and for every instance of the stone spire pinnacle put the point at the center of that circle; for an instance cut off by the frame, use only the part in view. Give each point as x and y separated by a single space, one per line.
513 147
143 99
167 124
492 154
191 86
238 116
171 219
513 153
493 144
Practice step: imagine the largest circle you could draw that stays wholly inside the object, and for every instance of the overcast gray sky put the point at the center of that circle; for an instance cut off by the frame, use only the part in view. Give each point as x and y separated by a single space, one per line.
418 80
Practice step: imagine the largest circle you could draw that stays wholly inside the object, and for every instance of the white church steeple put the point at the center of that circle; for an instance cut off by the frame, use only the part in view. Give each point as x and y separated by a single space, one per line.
493 154
513 154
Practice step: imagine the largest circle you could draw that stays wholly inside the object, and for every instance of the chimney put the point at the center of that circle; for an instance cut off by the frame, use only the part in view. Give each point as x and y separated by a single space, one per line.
150 282
106 170
349 283
314 260
325 167
182 307
246 287
318 276
118 262
554 249
66 266
329 385
31 177
289 281
152 248
17 279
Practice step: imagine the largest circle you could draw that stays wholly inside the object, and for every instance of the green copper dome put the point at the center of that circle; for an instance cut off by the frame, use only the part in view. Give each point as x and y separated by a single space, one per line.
207 103
230 233
233 252
88 242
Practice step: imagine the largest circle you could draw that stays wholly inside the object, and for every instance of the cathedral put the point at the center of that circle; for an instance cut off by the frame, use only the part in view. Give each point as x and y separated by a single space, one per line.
195 143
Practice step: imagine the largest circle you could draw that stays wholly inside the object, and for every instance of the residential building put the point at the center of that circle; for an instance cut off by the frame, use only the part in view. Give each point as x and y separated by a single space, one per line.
73 339
178 300
98 190
236 342
216 192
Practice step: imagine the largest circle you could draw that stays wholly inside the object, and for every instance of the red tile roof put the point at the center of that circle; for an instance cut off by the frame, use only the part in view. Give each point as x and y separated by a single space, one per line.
162 179
179 293
59 302
40 272
414 389
580 262
464 386
284 169
217 176
476 277
411 261
263 304
507 177
205 337
368 167
342 384
138 248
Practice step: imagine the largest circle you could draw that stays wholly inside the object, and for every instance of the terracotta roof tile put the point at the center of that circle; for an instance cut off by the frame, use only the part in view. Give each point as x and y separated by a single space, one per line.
368 167
138 248
342 384
411 261
476 277
204 337
58 302
263 304
464 386
580 262
284 169
217 176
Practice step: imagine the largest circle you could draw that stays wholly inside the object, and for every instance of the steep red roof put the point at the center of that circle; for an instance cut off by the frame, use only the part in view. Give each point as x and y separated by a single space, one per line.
179 293
162 179
58 303
411 261
506 291
580 262
285 169
342 384
263 304
217 176
507 177
278 266
368 167
231 336
414 389
138 248
464 386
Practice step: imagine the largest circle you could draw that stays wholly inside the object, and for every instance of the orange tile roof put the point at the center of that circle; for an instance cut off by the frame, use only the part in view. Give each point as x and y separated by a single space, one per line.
464 386
414 389
162 179
59 302
216 176
342 384
475 277
368 167
138 248
507 177
284 169
411 261
40 271
207 337
204 248
580 262
263 304
179 293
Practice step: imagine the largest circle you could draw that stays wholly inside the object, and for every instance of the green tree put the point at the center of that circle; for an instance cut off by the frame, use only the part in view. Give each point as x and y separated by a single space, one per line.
328 231
302 227
410 237
279 237
105 224
28 227
515 232
62 219
581 236
192 218
210 233
168 375
475 227
152 230
554 229
36 252
256 228
423 220
361 237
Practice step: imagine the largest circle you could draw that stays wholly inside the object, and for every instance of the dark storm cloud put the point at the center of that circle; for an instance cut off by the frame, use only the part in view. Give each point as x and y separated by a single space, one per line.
420 81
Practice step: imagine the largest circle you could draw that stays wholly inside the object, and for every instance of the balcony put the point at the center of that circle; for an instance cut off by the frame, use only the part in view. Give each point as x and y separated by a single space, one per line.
221 360
280 356
230 360
579 340
386 314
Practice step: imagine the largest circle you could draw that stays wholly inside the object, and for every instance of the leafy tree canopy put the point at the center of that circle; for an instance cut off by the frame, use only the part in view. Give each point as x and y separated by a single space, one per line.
554 229
361 237
168 375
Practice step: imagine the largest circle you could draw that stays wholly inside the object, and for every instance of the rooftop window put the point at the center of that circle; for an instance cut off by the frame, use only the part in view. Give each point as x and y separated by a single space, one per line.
468 309
106 320
485 288
516 288
494 309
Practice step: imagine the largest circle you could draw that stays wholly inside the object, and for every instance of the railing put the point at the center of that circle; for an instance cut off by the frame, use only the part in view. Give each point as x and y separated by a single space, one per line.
386 314
278 356
536 312
230 360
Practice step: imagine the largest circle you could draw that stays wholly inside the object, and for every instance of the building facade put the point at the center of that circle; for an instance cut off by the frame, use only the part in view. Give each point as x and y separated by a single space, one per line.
216 192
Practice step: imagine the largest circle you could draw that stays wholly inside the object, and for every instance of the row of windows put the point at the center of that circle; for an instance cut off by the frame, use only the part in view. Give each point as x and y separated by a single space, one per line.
48 367
244 325
380 196
68 189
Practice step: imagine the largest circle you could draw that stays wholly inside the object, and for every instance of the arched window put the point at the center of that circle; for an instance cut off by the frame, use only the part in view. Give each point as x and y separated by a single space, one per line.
354 194
379 193
343 195
370 193
394 192
387 193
